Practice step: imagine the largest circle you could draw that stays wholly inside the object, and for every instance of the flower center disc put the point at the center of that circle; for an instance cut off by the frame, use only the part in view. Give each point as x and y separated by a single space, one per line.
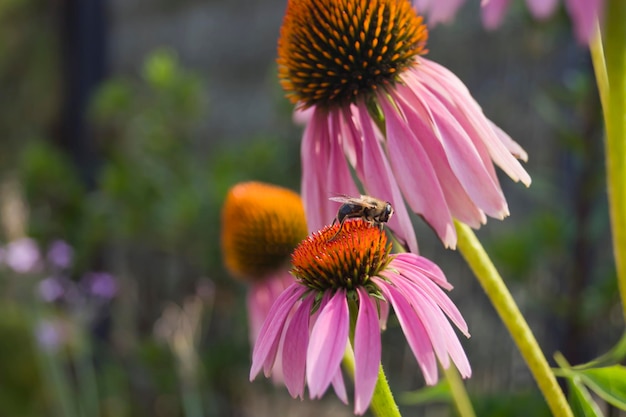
331 51
348 259
261 225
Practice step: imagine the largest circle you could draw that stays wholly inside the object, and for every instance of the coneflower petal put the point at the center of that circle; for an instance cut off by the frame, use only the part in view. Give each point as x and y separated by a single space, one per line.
340 387
470 115
474 173
294 348
425 266
269 336
419 117
380 182
416 175
414 331
367 349
314 155
431 317
339 179
327 343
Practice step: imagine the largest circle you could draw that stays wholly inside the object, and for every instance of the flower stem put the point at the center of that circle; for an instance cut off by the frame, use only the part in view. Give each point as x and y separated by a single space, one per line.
459 393
599 68
501 298
615 145
383 403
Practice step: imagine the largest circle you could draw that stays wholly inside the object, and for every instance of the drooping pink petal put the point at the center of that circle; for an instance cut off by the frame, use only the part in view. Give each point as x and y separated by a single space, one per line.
542 9
379 181
294 348
383 313
314 156
437 326
366 352
425 266
340 387
475 174
338 177
261 297
421 121
413 330
423 281
415 174
584 14
492 13
470 115
429 315
352 139
512 146
302 116
327 344
264 352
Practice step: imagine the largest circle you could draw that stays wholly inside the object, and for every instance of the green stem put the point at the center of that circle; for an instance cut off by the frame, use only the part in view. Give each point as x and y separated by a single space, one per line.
459 393
615 145
501 298
58 383
87 385
599 67
383 404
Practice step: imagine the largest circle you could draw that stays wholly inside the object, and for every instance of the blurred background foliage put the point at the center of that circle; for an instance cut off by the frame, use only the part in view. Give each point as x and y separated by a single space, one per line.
129 164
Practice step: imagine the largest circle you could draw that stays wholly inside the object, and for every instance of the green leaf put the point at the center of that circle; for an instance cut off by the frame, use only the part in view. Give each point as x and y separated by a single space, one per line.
609 383
612 357
580 400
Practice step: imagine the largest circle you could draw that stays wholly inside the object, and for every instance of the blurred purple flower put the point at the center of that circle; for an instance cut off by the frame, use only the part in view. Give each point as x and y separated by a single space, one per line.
60 254
50 335
51 289
100 284
22 255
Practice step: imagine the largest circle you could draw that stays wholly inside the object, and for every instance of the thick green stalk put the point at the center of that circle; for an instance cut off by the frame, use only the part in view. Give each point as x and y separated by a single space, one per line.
501 298
615 145
383 404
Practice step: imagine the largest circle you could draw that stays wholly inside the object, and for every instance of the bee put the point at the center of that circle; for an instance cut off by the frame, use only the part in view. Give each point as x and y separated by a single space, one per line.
370 209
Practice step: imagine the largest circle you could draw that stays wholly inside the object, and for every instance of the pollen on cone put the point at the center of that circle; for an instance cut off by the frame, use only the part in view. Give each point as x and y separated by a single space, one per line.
261 225
333 51
341 257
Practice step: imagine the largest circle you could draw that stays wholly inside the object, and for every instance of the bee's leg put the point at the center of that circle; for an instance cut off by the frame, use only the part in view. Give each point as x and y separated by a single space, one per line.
340 227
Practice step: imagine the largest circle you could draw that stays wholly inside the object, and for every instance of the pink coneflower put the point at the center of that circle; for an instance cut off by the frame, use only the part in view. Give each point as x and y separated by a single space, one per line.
584 13
261 225
307 329
404 125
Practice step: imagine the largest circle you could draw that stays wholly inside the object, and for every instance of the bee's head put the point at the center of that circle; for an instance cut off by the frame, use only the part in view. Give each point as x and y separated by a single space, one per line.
388 211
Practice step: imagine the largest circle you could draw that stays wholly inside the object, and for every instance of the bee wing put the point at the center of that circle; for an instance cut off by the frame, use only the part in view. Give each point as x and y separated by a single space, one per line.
361 201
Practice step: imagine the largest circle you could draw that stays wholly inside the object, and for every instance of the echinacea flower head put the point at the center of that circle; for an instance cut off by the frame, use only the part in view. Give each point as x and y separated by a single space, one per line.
405 126
261 225
339 270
